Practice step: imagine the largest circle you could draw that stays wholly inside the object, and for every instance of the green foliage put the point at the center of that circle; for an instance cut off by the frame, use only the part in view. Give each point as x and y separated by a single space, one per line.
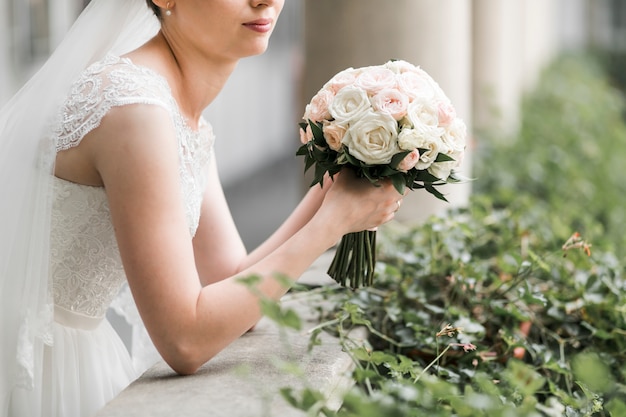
468 281
286 318
569 154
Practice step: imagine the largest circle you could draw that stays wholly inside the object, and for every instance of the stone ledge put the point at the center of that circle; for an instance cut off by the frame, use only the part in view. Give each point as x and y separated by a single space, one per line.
245 378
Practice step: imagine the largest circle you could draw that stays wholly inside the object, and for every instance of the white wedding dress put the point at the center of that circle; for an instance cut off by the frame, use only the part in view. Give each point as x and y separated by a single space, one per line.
87 364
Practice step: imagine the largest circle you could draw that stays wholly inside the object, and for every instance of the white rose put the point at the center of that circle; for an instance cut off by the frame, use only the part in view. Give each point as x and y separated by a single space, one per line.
350 103
442 170
454 137
430 145
400 66
408 139
414 138
423 112
372 138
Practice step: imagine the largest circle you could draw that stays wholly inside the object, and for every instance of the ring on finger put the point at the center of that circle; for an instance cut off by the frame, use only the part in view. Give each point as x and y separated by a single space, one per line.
398 203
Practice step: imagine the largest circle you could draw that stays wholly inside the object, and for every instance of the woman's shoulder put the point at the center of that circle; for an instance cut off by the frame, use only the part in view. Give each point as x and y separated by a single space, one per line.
110 82
116 78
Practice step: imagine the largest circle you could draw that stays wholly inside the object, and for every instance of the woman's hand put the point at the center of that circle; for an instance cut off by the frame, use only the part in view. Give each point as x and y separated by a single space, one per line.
354 204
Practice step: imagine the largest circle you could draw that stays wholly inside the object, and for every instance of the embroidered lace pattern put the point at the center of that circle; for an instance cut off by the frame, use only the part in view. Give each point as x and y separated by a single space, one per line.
86 268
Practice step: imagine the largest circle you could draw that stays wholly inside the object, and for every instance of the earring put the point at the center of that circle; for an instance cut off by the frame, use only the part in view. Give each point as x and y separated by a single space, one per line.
168 12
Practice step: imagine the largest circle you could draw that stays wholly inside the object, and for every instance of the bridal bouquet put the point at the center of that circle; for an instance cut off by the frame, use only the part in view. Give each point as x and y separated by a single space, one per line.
387 121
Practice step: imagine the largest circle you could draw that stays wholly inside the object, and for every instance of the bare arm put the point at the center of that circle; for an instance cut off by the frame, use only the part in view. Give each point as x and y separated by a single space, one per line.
303 213
135 152
219 252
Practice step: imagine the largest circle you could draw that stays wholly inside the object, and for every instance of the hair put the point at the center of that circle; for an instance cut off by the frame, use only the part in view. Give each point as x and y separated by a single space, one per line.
155 8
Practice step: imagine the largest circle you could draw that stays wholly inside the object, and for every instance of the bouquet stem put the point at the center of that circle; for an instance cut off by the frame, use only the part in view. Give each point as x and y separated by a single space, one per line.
354 260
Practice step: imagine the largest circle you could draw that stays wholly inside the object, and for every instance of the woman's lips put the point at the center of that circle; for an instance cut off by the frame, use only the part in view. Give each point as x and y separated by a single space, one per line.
260 25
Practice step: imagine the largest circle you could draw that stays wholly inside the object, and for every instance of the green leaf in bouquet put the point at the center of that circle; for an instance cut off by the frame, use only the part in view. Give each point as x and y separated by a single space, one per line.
399 182
318 134
318 153
442 157
426 177
308 160
457 178
303 150
431 189
387 171
308 163
351 159
397 158
319 174
367 173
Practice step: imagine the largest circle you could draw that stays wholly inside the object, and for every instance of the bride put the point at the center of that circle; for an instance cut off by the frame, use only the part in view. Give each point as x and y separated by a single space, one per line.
109 176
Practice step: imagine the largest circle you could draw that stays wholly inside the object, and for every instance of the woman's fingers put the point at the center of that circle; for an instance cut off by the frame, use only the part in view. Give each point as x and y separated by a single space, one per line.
364 205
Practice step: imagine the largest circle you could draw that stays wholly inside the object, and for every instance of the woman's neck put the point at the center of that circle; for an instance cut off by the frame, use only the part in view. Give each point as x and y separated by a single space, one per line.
195 79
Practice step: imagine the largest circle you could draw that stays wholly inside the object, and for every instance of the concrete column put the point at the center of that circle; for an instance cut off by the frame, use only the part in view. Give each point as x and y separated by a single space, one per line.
573 23
513 42
434 34
498 65
541 20
6 69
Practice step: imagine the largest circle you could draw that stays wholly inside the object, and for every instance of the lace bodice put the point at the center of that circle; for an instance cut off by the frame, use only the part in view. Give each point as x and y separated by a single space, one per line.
85 265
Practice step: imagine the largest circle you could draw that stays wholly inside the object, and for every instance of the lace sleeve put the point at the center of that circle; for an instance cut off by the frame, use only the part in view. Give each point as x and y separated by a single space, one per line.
108 83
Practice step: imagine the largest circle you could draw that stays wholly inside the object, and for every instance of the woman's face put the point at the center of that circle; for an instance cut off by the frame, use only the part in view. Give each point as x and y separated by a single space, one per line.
225 29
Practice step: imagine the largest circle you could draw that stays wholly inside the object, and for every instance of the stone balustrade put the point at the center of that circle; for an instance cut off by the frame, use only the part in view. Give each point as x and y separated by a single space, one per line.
245 378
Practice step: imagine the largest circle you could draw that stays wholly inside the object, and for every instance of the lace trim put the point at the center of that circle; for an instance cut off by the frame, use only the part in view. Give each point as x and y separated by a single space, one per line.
34 326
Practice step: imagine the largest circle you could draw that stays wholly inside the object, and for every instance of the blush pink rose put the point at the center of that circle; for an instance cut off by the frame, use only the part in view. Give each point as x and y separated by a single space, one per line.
446 113
317 109
342 79
415 85
334 133
409 161
392 102
375 79
306 135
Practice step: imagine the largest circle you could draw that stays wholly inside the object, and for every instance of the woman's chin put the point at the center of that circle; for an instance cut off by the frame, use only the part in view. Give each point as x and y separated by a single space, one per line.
258 49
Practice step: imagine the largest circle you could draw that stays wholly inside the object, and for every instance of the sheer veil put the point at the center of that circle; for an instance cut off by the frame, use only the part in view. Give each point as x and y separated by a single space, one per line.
26 164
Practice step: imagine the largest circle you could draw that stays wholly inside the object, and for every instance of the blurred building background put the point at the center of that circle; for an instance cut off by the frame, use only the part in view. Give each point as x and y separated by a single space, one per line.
484 53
